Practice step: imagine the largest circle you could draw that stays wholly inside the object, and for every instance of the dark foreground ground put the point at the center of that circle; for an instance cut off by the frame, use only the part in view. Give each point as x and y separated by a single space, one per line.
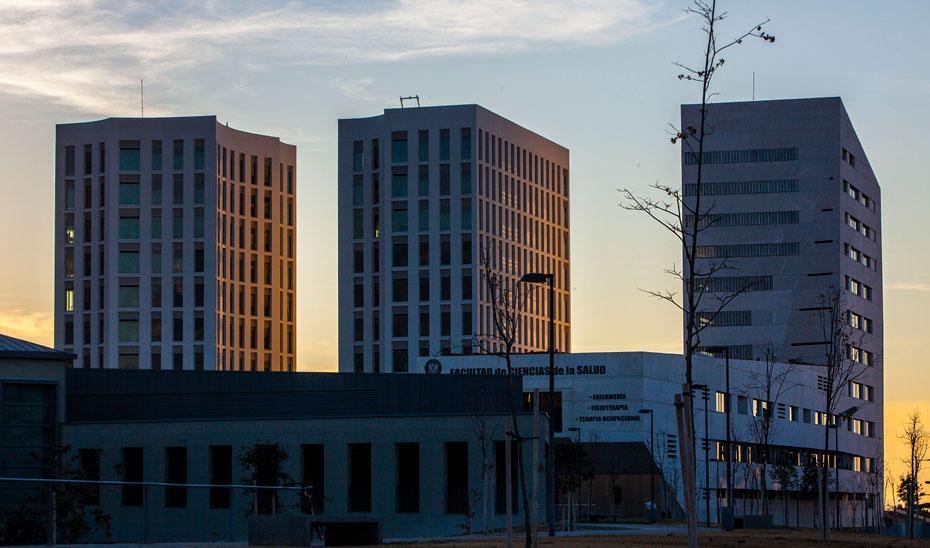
714 539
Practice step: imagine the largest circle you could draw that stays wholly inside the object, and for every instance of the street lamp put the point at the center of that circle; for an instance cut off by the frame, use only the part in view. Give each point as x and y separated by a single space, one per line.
729 454
845 415
652 467
704 388
549 279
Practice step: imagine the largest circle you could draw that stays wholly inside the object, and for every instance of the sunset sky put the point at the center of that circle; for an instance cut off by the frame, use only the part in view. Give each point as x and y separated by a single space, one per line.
594 75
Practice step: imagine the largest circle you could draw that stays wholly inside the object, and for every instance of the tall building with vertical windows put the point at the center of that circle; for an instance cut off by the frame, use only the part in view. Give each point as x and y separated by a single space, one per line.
796 211
424 195
175 245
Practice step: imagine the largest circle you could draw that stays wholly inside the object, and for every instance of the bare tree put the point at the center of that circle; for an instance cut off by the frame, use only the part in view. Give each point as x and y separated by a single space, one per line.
785 473
682 211
766 387
485 433
917 439
842 365
507 298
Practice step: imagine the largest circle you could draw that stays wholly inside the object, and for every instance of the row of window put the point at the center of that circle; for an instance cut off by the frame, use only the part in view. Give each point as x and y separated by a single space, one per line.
70 159
235 360
860 227
859 355
226 168
131 360
858 195
400 292
399 353
858 288
735 284
754 453
861 391
360 467
865 260
860 322
400 256
755 218
400 323
748 156
260 335
792 413
849 157
730 188
725 318
780 249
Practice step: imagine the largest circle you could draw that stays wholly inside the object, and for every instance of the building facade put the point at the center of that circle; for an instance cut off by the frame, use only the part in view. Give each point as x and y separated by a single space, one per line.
598 402
795 212
426 197
175 245
399 450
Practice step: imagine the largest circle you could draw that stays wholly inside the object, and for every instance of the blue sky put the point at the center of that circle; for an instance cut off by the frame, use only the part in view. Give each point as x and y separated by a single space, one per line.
595 76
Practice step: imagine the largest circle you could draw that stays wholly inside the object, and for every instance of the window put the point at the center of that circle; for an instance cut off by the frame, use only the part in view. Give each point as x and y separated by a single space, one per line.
444 215
129 193
721 402
399 147
423 218
128 262
423 181
128 296
755 218
399 217
725 318
156 156
312 474
444 145
90 470
69 160
466 181
399 255
358 156
445 180
176 472
742 405
399 183
466 143
198 155
220 474
69 299
399 359
743 187
423 145
743 156
129 157
408 477
466 214
178 162
129 228
132 470
399 323
359 477
500 479
736 284
456 477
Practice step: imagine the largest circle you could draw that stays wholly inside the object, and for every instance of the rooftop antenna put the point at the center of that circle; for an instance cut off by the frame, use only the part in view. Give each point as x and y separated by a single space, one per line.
141 98
753 85
410 98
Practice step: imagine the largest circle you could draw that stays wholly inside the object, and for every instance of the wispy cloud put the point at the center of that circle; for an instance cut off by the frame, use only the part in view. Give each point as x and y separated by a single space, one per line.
89 54
910 286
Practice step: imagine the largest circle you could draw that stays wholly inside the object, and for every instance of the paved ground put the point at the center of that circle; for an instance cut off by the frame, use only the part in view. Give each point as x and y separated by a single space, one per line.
633 536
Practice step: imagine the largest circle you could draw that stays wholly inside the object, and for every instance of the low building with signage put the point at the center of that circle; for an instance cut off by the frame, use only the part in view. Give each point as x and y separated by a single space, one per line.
400 450
607 401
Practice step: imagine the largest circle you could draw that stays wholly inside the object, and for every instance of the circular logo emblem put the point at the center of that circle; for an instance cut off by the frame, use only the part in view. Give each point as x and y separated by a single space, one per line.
433 367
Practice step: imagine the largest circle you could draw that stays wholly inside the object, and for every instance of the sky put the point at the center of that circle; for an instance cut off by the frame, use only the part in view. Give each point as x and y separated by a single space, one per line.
594 75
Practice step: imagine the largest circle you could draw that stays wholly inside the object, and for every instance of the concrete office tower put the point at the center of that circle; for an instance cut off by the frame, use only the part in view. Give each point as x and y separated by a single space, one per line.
174 245
424 194
797 211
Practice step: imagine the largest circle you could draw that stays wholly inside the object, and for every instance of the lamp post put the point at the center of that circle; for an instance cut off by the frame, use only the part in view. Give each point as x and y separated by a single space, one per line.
845 415
705 390
729 454
549 279
652 467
